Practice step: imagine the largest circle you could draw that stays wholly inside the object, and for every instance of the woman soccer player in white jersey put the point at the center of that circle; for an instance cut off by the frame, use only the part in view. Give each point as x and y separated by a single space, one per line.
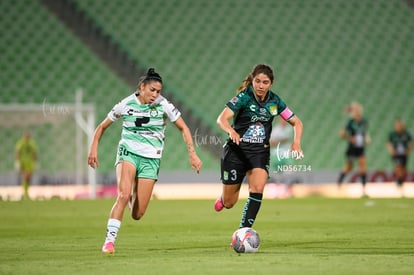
140 149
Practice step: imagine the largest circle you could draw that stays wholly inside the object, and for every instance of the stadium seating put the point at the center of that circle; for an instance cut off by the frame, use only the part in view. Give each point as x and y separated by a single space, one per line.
325 55
42 61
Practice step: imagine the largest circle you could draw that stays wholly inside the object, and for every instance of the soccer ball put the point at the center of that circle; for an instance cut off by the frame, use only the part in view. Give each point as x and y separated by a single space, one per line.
245 240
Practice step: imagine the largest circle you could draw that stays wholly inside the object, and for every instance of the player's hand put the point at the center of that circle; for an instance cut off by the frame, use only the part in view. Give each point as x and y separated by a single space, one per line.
195 162
297 151
367 139
234 136
93 159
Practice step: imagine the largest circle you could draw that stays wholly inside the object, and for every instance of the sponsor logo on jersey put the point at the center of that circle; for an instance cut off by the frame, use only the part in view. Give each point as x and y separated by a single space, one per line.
234 100
260 118
133 112
254 134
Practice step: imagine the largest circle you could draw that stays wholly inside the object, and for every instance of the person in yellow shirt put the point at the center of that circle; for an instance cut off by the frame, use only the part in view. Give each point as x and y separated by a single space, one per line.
26 159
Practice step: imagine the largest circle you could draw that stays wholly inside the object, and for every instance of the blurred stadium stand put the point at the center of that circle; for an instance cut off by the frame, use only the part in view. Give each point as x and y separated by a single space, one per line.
325 55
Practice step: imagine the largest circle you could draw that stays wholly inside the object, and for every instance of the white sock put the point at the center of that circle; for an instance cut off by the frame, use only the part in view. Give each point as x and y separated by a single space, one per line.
112 230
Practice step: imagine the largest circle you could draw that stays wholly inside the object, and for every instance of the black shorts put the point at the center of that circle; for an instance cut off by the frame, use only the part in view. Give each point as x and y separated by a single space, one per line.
235 163
400 160
354 152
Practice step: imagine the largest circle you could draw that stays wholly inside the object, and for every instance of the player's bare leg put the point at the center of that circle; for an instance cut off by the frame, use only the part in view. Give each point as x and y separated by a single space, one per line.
26 178
347 168
133 196
143 194
125 174
362 163
400 174
229 196
257 178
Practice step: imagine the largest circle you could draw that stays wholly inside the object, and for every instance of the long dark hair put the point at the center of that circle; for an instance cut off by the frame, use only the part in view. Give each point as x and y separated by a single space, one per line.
257 69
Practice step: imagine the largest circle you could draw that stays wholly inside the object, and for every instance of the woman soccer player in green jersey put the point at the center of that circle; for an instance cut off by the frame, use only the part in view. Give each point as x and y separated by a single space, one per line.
140 149
399 145
247 150
26 158
357 137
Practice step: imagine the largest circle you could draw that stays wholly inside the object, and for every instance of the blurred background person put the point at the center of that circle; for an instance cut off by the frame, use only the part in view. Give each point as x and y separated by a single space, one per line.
280 154
356 134
280 177
280 142
399 145
26 159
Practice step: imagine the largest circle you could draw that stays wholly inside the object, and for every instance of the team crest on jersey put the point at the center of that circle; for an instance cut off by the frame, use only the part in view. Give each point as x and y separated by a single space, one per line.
153 112
273 110
225 175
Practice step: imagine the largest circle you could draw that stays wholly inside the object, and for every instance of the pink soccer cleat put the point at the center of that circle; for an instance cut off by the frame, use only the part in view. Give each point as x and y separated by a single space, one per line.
108 248
218 205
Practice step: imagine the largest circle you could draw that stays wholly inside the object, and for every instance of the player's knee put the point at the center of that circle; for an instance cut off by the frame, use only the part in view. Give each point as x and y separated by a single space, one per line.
123 197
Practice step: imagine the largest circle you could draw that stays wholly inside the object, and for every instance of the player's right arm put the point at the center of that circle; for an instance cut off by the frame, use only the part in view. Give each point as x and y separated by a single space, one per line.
390 148
346 134
93 152
342 133
224 124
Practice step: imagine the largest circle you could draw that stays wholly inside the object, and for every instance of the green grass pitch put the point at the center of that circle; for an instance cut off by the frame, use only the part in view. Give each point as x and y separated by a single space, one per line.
298 236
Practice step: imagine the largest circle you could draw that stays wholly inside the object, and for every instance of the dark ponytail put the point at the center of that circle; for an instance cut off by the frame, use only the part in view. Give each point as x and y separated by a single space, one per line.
151 75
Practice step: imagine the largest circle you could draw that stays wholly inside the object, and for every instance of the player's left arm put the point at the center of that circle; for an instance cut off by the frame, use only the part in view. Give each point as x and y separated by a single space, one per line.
298 130
195 161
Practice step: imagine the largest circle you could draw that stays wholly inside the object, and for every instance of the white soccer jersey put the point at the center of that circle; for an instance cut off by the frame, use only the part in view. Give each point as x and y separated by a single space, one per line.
143 124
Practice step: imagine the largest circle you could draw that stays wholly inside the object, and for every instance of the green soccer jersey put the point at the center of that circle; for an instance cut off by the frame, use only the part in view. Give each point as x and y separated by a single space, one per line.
253 119
400 141
143 124
26 150
357 129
